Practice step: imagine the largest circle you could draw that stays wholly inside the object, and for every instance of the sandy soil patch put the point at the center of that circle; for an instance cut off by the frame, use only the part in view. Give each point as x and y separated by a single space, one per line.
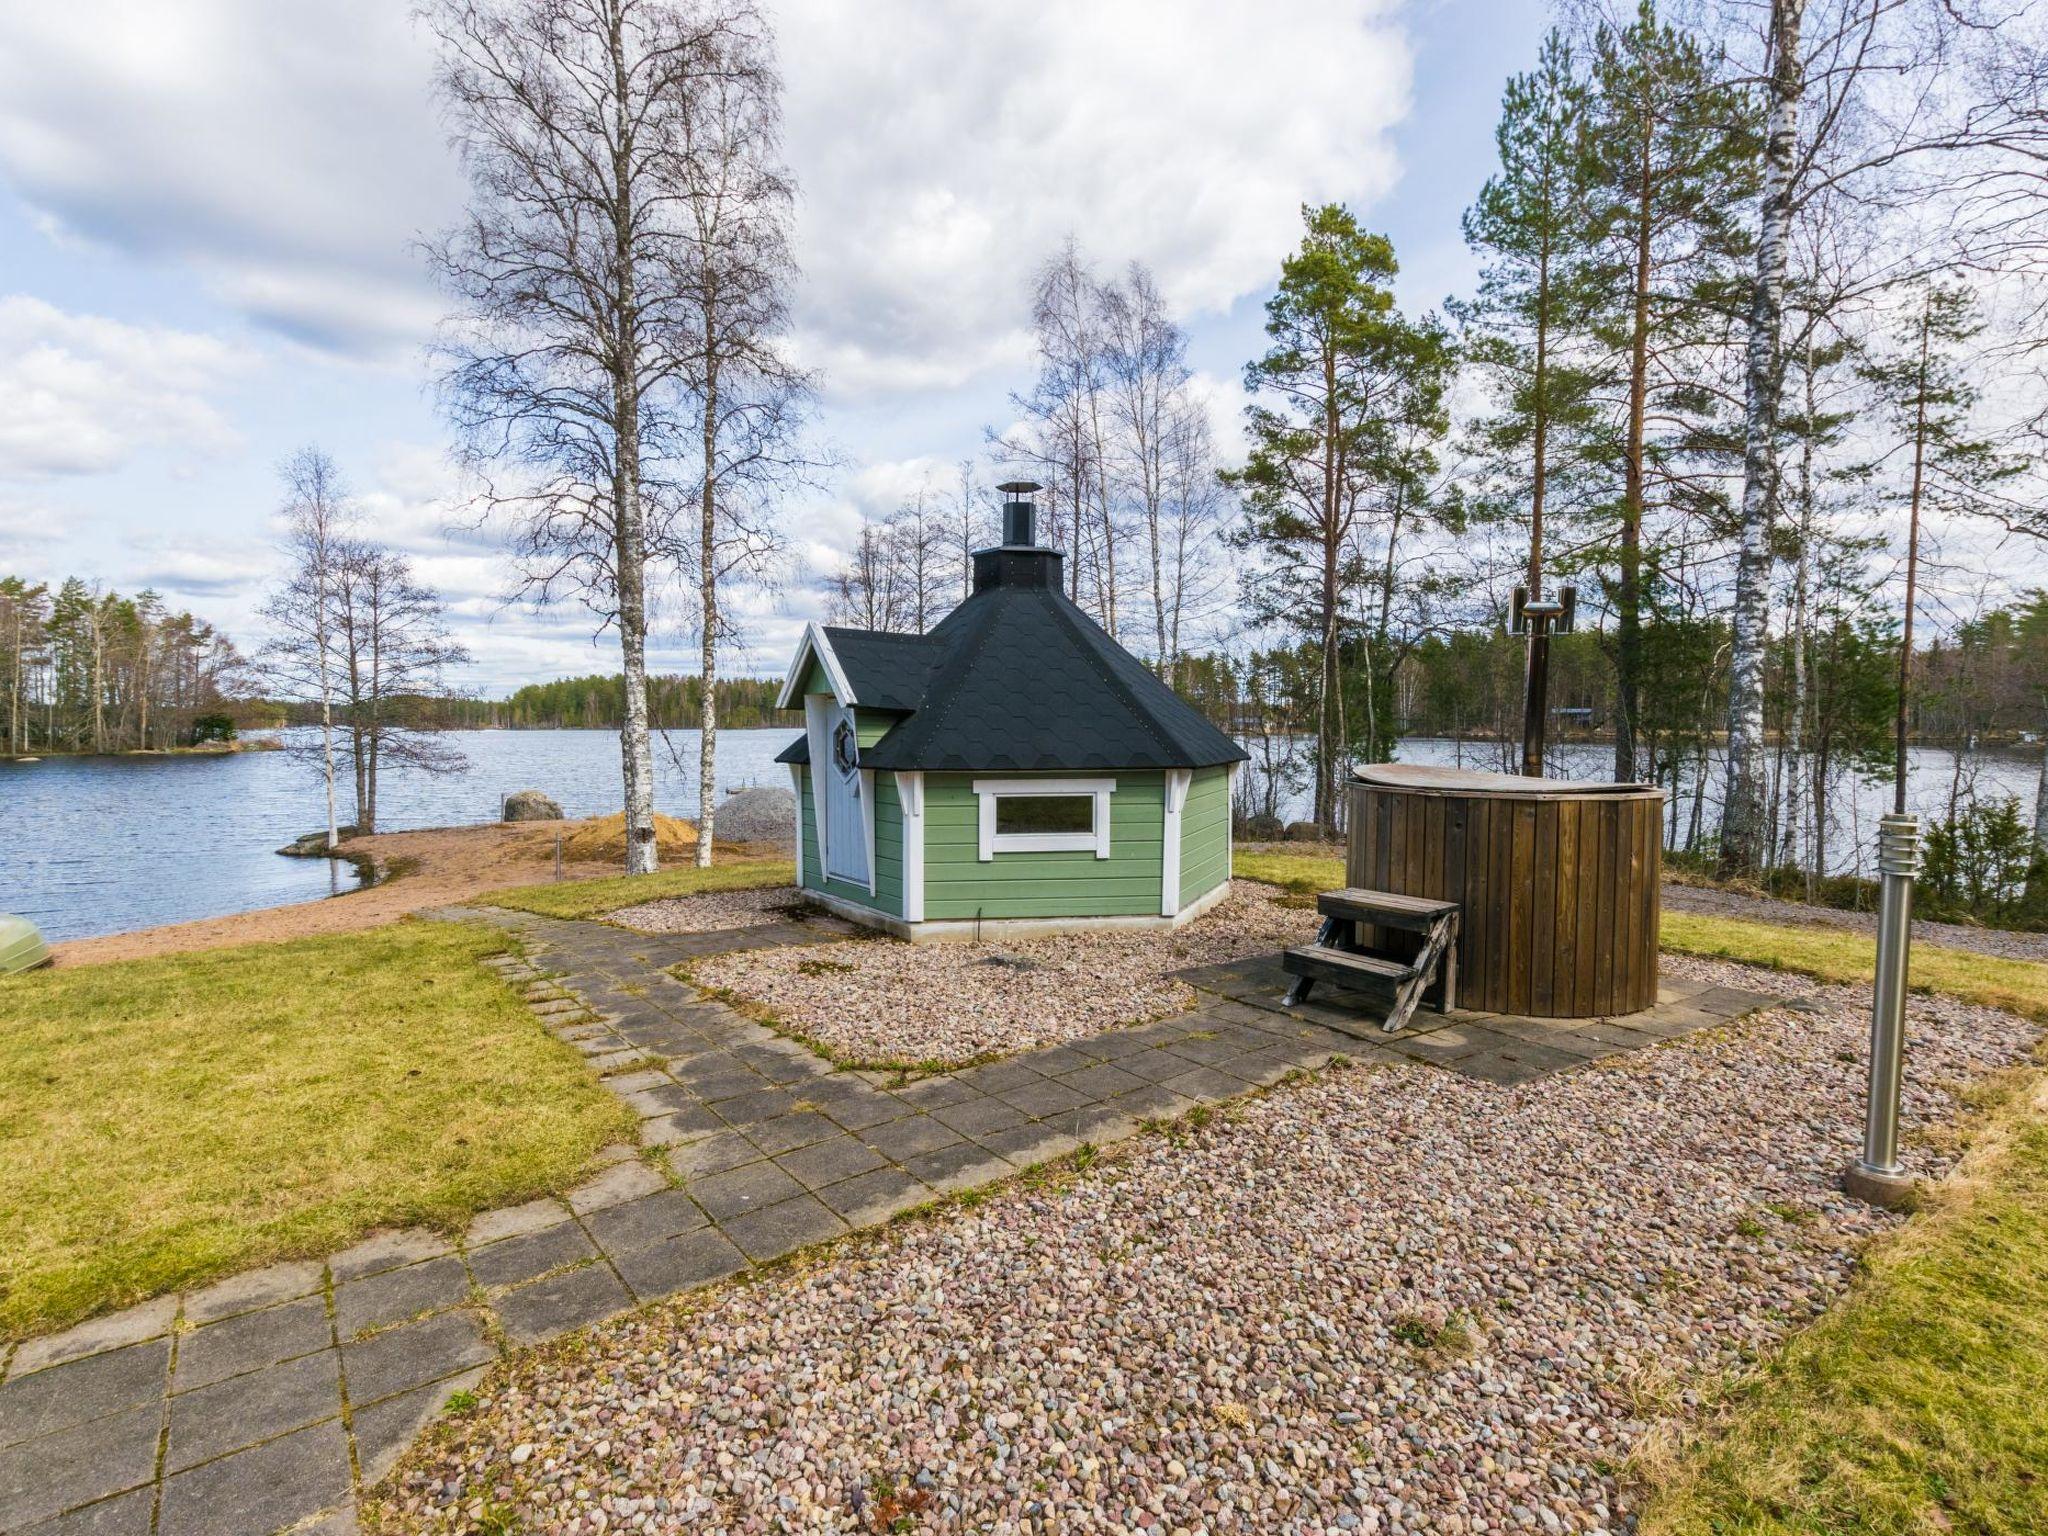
1379 1301
886 1001
447 864
713 912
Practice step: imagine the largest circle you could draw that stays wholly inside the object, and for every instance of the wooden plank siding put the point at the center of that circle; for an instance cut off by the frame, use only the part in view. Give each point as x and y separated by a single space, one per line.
1559 892
1204 834
957 884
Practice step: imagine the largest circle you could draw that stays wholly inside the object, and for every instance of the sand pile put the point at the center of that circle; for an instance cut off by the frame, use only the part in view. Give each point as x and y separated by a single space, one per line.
603 838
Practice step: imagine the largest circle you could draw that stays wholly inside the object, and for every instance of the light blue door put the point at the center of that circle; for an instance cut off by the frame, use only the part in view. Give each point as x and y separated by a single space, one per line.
846 828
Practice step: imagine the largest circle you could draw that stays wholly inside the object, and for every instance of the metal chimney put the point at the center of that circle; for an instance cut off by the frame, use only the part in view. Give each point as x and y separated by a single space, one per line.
1019 514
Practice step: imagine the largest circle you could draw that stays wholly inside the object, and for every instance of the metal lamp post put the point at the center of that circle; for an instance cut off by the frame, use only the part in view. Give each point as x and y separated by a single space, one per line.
1878 1176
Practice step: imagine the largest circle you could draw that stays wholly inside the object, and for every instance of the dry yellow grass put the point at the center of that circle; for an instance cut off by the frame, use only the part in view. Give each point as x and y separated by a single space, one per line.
602 839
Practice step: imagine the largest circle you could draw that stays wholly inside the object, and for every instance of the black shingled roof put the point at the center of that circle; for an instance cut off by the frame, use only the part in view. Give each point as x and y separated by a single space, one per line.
1018 679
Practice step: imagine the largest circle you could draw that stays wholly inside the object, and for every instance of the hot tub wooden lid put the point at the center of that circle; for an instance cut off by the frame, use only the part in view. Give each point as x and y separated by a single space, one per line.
1426 778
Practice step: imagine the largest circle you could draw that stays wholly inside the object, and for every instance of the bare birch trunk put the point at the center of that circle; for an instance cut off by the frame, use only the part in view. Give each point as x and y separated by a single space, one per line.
707 581
1742 814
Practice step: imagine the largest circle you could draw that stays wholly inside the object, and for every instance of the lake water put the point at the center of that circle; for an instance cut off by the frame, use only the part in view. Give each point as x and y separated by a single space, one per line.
101 845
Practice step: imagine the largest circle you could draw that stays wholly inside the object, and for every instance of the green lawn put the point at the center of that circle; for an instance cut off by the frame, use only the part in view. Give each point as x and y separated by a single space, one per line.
1917 1404
164 1122
593 898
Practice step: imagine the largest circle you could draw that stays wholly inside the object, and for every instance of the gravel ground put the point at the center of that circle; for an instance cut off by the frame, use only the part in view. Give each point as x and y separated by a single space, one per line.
709 913
1378 1301
887 1001
1768 909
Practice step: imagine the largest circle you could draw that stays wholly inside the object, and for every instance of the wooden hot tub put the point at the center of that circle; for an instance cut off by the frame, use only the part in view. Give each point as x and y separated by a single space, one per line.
1557 881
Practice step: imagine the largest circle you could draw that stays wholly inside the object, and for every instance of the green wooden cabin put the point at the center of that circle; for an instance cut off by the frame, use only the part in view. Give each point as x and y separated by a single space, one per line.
1013 771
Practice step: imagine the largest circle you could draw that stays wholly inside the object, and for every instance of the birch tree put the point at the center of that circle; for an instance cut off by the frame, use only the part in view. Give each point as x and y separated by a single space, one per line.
574 361
736 204
302 659
1745 814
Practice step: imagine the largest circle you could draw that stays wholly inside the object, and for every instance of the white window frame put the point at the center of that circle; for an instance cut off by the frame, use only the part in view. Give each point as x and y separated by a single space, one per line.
988 791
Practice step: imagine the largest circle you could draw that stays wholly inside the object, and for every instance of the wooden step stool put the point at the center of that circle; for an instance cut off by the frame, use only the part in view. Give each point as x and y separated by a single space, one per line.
1336 956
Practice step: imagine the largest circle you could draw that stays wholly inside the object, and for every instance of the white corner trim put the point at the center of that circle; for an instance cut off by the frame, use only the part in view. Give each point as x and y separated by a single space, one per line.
910 794
993 842
1230 822
867 820
1177 781
818 729
814 643
796 788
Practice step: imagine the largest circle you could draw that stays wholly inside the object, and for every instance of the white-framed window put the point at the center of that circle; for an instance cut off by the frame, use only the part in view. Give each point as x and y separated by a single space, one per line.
1044 815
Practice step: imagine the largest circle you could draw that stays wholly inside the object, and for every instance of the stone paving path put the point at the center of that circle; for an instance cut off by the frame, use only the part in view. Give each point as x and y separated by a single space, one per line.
262 1403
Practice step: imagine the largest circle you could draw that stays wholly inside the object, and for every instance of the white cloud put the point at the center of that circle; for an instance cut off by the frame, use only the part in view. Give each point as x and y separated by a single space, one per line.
287 153
84 394
945 150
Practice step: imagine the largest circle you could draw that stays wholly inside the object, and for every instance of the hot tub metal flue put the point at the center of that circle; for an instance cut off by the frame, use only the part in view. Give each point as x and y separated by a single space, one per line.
1538 620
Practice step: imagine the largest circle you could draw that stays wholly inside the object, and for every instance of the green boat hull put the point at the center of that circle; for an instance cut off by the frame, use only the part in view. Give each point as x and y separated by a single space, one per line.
21 946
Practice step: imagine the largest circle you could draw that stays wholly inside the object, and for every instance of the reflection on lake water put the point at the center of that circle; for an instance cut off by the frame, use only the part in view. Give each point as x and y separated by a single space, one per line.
101 845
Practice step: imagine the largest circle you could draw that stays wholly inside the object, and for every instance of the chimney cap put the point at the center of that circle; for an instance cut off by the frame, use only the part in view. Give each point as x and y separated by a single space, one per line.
1019 487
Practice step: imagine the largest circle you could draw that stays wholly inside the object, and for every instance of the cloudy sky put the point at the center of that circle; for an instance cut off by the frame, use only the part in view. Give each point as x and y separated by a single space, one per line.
208 209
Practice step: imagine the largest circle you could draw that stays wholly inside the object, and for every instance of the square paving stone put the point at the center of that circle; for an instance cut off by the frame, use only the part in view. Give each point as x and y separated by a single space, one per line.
678 1263
1056 1060
519 1259
252 1289
619 1183
1045 1097
873 1198
979 1116
936 1093
246 1410
41 1477
92 1388
639 1223
1101 1124
404 1357
151 1320
1025 1145
1206 1084
906 1138
384 1431
745 1189
713 1154
126 1514
1155 1066
857 1111
783 1228
251 1341
827 1162
398 1294
516 1221
792 1131
386 1250
1154 1101
262 1490
1114 1046
559 1303
999 1077
1500 1069
754 1106
954 1168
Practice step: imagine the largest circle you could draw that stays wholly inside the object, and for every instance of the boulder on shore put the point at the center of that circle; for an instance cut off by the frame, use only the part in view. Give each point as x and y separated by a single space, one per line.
531 805
762 815
1262 829
313 845
1306 832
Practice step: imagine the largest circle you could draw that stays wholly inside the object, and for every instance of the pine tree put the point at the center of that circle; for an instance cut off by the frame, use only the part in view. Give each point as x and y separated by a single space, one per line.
1337 402
1671 163
1527 327
1930 397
